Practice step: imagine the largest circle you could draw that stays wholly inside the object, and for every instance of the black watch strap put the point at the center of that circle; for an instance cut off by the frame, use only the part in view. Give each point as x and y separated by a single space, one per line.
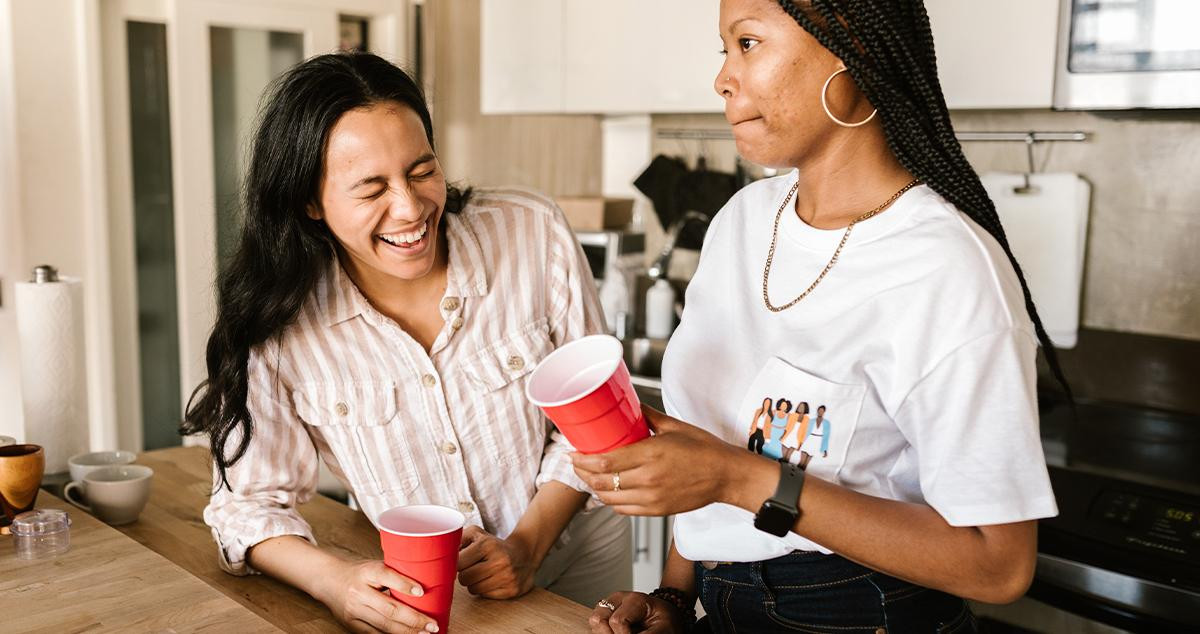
779 512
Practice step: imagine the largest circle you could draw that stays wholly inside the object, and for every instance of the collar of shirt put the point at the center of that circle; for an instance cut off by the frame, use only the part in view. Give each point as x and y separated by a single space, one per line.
466 275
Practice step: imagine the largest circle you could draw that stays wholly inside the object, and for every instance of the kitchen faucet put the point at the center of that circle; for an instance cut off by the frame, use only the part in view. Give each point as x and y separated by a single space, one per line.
658 270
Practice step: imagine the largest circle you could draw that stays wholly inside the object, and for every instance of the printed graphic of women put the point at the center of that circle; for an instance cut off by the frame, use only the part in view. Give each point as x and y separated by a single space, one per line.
755 443
779 423
817 439
796 432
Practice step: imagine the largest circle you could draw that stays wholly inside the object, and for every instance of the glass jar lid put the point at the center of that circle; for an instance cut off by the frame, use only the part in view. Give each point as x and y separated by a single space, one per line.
40 522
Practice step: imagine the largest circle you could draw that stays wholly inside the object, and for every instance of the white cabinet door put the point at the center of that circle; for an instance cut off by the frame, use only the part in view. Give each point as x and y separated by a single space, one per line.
615 56
688 57
521 51
607 61
621 57
995 54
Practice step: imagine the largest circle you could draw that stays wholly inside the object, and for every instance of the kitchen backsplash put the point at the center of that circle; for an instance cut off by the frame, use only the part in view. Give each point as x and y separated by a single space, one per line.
1142 272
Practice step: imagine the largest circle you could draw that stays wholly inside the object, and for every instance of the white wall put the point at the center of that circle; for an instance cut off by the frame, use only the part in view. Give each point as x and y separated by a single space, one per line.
52 199
11 253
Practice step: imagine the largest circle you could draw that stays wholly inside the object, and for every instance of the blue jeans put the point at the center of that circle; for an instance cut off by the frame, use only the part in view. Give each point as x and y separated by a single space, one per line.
822 594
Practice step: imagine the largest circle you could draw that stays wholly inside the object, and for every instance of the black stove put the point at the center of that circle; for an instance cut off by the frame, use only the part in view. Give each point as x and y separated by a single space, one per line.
1125 547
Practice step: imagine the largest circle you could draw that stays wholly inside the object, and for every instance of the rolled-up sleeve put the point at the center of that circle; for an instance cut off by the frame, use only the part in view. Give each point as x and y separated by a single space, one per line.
575 313
277 472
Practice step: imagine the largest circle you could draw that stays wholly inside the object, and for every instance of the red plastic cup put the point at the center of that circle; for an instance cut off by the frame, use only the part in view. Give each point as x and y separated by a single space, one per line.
584 387
421 542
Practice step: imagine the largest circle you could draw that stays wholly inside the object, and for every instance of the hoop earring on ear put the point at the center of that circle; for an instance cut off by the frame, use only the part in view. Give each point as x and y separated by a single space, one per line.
825 103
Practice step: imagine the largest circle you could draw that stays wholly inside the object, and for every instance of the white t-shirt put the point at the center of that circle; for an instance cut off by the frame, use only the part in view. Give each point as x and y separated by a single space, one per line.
916 345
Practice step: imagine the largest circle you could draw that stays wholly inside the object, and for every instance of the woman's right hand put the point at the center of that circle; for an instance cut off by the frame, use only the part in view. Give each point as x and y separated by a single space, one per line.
357 594
649 614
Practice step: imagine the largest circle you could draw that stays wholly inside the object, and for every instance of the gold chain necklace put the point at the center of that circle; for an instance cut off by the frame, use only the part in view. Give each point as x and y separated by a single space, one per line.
775 237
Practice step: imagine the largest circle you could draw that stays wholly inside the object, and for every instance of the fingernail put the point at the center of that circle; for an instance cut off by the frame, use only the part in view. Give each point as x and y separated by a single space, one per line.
417 591
432 627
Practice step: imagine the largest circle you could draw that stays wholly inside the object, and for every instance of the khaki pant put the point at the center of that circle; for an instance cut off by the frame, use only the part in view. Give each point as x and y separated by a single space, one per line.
592 559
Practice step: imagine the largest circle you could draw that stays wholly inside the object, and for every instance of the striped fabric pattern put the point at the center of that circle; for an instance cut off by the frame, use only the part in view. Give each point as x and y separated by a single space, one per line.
345 384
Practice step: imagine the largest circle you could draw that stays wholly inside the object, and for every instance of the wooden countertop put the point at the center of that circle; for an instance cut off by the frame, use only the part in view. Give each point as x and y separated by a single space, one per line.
172 526
107 582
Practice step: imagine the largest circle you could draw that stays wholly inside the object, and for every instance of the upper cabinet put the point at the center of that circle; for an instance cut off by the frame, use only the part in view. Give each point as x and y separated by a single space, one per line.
615 56
521 65
995 54
662 56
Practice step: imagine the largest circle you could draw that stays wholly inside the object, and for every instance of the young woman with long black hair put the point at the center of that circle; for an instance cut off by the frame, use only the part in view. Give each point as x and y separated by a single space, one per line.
379 320
873 281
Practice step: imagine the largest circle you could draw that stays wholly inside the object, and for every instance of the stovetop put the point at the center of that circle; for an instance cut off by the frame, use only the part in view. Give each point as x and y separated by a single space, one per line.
1148 446
1127 481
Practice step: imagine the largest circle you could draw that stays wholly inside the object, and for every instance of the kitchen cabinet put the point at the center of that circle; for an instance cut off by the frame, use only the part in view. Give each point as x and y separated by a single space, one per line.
617 56
521 61
995 54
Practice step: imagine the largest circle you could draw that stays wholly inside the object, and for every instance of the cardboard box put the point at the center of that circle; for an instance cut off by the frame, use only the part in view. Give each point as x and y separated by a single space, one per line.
596 213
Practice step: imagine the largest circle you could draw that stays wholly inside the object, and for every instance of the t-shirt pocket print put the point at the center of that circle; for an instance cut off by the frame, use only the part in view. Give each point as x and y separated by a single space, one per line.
792 416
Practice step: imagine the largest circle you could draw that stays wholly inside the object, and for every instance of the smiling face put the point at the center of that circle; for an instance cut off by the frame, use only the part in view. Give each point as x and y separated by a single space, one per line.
771 82
382 195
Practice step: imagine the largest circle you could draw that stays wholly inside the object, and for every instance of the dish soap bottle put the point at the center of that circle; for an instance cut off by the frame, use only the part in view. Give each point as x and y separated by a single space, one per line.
660 309
614 298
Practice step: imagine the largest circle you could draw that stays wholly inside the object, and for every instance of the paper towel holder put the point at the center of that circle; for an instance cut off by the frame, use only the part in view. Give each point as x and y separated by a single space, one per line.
44 274
1028 138
1027 187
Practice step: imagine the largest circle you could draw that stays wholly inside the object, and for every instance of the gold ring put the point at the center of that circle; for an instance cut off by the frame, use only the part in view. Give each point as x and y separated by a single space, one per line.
606 604
616 482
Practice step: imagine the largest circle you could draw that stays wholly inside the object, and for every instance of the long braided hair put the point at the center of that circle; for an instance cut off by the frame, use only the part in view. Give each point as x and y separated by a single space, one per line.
887 46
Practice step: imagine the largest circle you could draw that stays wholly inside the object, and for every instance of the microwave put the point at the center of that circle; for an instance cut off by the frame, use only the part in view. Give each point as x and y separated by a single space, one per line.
604 249
1122 54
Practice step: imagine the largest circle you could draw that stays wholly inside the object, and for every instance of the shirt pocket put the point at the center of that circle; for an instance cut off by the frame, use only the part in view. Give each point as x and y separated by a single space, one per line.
359 422
811 421
504 422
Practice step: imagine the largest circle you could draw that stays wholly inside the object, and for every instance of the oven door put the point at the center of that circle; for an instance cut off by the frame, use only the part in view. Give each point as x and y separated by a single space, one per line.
1124 54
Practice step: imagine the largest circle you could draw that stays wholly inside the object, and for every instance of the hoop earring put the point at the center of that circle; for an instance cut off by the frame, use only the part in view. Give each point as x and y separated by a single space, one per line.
825 103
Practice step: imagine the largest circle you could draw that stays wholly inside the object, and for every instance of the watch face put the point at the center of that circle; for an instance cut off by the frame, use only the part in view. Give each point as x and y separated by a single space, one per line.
774 519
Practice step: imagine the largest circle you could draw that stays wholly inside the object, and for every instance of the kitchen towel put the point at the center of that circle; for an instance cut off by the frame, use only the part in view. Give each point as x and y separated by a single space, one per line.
675 190
1047 230
53 375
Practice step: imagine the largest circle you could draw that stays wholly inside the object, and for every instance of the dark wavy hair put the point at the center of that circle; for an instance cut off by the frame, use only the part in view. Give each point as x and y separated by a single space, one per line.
887 46
282 252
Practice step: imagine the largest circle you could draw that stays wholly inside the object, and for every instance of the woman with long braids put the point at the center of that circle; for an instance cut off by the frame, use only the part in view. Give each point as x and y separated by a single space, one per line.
873 278
383 322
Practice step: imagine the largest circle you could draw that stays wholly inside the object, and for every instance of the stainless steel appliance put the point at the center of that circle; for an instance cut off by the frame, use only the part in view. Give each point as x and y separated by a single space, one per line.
1117 54
604 249
1125 547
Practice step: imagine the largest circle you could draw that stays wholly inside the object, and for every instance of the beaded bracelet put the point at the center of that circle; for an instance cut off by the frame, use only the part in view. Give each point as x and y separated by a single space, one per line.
680 599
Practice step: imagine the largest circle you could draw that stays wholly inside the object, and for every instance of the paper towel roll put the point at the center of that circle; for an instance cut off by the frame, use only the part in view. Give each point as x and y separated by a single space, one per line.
53 375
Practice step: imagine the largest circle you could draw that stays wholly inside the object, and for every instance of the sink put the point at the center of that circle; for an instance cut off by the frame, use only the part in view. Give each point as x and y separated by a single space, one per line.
644 356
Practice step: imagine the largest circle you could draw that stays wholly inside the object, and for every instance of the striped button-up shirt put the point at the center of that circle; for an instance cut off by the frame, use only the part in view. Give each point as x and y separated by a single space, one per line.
396 425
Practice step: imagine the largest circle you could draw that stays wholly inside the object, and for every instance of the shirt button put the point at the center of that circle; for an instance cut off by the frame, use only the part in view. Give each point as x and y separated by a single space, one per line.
450 304
342 409
429 380
466 507
449 448
515 363
456 324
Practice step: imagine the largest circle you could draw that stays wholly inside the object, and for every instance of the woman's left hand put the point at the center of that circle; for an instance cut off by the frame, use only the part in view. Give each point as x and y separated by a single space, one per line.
680 468
494 568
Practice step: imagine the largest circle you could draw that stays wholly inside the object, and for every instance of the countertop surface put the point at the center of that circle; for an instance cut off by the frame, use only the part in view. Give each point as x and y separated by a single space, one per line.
172 534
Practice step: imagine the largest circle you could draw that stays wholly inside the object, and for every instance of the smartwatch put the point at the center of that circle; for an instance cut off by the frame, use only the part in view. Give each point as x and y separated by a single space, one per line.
778 514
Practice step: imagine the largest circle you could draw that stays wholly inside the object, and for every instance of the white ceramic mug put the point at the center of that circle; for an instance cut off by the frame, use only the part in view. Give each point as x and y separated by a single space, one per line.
85 463
115 494
7 440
